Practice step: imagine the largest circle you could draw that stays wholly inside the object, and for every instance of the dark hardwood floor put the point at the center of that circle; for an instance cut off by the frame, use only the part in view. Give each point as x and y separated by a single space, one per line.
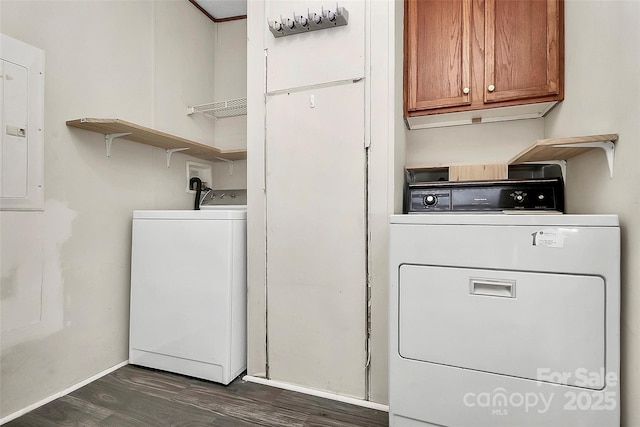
134 396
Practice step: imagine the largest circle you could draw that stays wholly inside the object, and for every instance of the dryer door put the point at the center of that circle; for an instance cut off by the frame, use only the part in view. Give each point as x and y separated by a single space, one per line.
538 326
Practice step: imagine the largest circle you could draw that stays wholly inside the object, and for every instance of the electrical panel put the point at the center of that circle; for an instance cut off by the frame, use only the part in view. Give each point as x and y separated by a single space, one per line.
21 126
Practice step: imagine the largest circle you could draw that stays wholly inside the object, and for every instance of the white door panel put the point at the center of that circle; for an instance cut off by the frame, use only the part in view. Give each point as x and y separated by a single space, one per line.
319 56
316 279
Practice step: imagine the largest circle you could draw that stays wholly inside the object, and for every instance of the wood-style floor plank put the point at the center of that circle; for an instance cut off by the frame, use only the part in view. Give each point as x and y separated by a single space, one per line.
32 420
120 420
140 397
330 410
152 410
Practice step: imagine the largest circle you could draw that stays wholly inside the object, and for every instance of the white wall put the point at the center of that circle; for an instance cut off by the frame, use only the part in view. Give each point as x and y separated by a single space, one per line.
386 173
231 80
256 241
140 61
479 143
230 71
602 95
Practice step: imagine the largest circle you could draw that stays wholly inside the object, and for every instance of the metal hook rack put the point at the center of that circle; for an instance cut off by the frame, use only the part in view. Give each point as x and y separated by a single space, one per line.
312 21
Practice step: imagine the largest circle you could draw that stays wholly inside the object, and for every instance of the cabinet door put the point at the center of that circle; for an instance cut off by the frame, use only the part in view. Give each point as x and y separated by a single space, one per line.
437 54
522 49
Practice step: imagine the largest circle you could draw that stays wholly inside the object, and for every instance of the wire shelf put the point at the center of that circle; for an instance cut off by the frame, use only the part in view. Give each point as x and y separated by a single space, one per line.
230 108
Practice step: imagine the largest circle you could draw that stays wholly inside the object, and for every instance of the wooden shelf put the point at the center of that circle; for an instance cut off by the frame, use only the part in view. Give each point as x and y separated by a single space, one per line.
543 150
116 128
561 148
565 148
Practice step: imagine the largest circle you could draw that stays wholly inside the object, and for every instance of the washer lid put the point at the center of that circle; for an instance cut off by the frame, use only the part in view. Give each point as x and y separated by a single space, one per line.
238 212
511 218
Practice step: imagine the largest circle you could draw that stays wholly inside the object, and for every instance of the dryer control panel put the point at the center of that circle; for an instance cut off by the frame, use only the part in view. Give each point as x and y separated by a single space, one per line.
490 196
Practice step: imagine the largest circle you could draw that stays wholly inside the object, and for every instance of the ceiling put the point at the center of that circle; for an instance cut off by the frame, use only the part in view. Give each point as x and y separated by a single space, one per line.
220 10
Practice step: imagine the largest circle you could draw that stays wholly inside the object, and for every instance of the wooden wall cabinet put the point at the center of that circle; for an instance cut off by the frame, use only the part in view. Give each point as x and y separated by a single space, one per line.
474 55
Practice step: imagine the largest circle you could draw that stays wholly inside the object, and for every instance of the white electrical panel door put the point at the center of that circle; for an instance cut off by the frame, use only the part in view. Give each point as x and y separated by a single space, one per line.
316 239
21 120
14 140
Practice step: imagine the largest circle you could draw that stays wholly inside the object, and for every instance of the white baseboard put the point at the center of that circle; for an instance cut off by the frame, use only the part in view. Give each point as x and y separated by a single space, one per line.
64 392
319 393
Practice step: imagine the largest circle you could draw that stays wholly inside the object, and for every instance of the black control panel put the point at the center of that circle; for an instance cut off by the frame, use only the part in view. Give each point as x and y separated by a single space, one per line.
469 196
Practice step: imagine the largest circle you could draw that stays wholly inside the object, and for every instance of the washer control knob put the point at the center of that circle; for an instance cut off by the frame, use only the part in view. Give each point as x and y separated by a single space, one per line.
430 200
519 197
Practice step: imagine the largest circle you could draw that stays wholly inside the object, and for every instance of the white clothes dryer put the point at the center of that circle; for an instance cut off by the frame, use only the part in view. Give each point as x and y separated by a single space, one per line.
504 320
188 292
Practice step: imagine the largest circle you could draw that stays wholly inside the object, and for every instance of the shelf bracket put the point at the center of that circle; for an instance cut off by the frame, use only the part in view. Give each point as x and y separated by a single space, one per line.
108 140
230 162
170 151
206 112
607 146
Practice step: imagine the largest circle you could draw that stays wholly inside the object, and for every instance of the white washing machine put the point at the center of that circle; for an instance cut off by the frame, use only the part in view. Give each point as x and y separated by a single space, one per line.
504 320
188 292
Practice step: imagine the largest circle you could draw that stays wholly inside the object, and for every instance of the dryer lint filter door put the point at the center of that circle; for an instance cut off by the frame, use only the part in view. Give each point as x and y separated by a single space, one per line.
523 324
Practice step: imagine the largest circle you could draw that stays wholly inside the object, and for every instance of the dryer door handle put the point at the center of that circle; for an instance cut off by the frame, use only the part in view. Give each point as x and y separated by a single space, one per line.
492 288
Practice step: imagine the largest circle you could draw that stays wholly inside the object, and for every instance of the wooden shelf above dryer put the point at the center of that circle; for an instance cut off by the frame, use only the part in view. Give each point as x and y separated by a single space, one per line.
565 148
543 150
116 128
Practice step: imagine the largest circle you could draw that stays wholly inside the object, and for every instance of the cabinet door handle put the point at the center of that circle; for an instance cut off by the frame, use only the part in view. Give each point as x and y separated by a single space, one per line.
465 90
491 88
